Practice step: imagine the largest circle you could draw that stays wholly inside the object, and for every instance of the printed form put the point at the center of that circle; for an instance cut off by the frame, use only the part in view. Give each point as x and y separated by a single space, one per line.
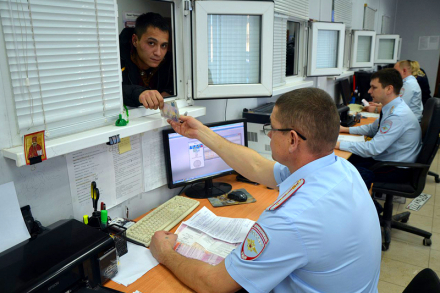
210 238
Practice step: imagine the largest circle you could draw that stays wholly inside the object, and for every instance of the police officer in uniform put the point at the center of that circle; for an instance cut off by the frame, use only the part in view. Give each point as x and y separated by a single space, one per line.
410 92
322 233
396 135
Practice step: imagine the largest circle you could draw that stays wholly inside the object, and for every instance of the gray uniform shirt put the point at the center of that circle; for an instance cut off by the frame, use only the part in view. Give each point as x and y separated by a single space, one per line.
396 139
412 95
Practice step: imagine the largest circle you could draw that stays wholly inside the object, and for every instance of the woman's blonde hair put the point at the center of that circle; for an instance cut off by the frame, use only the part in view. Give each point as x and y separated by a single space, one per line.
415 69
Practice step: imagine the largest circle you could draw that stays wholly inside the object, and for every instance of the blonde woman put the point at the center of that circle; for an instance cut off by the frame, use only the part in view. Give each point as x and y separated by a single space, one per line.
422 79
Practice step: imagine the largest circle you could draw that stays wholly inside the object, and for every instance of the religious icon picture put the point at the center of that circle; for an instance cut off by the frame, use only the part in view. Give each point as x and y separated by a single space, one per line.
34 148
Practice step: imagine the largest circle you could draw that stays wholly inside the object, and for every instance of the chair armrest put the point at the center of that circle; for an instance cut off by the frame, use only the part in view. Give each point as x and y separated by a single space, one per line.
398 164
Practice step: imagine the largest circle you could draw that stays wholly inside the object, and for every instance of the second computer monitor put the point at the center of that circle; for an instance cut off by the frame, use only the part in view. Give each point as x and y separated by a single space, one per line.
190 162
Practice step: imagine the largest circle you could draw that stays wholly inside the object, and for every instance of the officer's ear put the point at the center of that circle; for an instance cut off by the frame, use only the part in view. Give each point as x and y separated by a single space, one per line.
294 140
389 89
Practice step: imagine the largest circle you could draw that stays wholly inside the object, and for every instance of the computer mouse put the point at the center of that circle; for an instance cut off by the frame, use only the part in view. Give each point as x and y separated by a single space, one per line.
237 196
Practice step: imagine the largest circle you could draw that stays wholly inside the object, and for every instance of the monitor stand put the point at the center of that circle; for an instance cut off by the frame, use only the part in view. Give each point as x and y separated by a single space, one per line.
207 189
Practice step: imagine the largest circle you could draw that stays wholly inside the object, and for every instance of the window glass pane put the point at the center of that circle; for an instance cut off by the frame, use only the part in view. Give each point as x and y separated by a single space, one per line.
292 48
234 45
364 49
327 56
386 48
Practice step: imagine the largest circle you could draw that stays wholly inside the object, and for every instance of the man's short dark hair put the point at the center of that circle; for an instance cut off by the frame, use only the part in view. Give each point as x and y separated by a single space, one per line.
150 19
313 113
389 76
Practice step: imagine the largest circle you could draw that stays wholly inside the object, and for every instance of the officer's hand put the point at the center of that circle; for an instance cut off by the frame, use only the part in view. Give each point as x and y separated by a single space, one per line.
151 99
187 126
162 242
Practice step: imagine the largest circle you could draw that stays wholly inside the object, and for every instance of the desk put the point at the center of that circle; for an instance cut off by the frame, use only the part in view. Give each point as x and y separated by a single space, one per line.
160 279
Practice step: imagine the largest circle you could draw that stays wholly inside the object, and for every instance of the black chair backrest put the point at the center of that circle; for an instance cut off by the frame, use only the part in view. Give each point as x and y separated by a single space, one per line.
430 131
425 281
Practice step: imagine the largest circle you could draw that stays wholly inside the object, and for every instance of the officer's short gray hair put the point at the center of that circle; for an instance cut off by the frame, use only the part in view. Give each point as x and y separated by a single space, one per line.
313 113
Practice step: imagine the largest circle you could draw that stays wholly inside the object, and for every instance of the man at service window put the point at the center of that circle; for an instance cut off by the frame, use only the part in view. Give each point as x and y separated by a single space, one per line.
146 64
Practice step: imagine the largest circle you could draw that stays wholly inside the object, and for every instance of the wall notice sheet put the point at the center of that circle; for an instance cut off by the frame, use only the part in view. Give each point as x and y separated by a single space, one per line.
118 177
154 160
14 229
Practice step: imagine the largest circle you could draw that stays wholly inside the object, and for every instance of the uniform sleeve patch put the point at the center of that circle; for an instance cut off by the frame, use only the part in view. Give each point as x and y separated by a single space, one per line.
386 126
402 92
286 195
254 243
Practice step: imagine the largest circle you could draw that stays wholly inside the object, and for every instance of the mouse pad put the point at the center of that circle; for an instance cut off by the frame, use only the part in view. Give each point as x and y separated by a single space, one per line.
223 200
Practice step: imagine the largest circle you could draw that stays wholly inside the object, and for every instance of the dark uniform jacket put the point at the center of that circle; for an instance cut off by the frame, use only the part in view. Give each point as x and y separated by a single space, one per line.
132 83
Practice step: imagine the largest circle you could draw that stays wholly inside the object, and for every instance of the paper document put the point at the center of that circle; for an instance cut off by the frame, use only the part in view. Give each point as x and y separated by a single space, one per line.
351 138
231 230
365 114
128 168
154 160
118 176
134 264
14 229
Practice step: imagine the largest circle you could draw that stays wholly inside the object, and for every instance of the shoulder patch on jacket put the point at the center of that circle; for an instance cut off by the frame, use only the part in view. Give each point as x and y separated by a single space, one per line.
254 243
286 195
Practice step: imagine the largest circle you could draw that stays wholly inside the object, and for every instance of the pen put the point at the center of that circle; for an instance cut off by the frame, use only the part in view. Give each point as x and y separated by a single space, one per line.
126 211
103 207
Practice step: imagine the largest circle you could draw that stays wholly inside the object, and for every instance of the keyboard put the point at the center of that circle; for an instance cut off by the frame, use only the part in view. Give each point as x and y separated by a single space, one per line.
164 217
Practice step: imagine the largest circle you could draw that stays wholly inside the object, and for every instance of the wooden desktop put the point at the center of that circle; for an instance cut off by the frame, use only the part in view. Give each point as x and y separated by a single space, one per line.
160 279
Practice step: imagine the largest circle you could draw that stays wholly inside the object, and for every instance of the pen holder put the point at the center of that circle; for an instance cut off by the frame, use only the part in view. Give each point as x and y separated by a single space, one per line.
117 232
95 220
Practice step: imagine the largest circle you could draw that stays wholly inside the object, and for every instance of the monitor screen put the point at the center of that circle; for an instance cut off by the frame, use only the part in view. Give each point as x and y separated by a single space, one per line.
344 86
188 161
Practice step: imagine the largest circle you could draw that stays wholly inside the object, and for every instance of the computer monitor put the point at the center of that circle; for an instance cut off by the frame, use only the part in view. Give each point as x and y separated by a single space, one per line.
344 86
190 162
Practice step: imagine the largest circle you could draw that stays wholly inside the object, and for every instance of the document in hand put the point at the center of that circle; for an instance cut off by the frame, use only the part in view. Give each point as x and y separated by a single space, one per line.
210 238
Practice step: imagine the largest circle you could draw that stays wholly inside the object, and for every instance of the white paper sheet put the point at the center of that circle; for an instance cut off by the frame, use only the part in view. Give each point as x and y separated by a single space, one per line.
231 230
154 161
128 170
87 165
351 138
13 228
134 264
118 176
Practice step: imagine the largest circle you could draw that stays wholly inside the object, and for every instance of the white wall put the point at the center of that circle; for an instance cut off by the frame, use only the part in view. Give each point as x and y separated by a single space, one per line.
416 19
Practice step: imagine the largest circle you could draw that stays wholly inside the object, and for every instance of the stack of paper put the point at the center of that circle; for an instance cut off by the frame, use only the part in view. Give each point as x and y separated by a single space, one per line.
351 138
210 238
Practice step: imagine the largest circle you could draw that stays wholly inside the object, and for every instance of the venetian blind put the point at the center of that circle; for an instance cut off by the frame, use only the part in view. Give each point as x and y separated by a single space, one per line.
386 25
64 63
279 50
234 46
343 12
295 8
369 17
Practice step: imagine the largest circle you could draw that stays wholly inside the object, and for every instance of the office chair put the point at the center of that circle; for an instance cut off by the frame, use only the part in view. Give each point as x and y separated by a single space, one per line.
419 170
425 281
435 175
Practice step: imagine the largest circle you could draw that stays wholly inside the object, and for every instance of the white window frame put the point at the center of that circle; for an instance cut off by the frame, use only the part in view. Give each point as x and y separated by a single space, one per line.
312 69
400 49
202 90
355 42
396 48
